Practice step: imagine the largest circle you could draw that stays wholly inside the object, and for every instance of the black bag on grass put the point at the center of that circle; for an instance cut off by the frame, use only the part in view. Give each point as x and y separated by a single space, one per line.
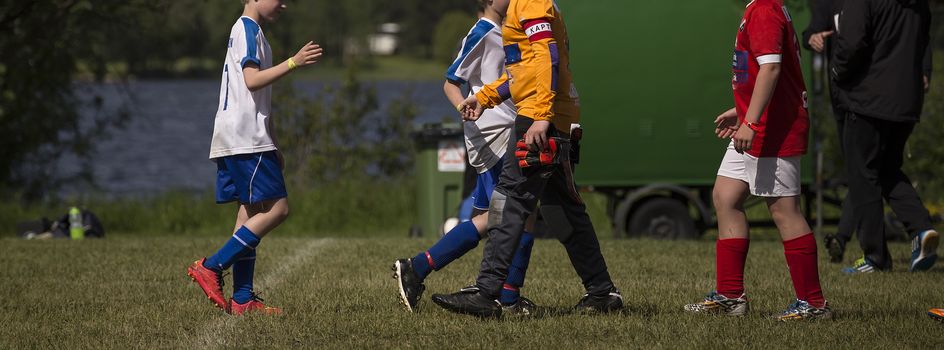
93 227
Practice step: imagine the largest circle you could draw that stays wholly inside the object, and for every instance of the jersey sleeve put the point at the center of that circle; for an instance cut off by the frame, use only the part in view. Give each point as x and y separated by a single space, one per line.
494 93
246 44
766 30
536 19
468 62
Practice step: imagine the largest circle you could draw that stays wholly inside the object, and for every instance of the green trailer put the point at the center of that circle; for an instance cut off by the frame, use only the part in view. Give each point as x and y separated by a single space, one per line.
652 76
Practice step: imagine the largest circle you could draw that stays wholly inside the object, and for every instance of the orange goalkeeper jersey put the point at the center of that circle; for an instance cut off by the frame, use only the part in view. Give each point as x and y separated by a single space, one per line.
537 73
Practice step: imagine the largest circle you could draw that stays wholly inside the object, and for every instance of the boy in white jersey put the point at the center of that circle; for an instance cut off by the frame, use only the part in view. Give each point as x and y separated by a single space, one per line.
481 60
249 164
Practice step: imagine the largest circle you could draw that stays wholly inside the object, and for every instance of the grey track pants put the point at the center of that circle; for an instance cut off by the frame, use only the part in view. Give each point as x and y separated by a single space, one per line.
517 196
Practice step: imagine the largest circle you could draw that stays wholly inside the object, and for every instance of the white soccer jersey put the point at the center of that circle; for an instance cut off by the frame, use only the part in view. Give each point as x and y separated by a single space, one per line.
482 61
242 119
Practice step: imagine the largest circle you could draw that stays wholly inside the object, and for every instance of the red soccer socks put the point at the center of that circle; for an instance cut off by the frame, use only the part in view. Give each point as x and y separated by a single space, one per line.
730 256
801 259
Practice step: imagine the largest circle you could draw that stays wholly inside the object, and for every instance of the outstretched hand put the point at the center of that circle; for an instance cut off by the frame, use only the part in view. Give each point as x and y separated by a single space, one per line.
309 54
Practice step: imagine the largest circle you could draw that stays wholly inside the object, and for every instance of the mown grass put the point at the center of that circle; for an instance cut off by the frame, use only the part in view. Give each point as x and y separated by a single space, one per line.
132 292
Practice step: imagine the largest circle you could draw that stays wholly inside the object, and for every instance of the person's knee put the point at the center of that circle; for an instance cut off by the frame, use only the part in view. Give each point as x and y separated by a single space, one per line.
480 220
279 211
783 211
724 200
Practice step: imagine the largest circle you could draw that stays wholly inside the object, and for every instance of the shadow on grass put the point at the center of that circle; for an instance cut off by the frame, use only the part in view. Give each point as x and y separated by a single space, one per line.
645 311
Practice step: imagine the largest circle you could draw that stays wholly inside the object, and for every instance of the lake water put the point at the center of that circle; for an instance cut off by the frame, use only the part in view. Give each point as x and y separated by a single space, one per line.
166 143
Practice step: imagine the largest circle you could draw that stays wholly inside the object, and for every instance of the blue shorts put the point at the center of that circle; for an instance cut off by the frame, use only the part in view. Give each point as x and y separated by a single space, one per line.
249 178
485 184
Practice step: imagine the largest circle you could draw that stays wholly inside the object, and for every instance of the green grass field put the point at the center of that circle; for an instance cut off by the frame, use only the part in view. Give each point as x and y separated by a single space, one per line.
132 292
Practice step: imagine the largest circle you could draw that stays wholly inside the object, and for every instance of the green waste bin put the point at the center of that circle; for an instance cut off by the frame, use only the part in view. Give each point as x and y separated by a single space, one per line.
440 164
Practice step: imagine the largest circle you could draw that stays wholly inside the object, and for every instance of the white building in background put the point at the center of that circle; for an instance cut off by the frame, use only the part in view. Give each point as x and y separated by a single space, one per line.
385 41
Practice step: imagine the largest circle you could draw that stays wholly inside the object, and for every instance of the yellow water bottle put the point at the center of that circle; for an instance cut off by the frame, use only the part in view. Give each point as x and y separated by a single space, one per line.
76 227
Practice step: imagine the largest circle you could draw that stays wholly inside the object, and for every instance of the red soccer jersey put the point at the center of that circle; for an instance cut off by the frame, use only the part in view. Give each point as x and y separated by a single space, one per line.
766 35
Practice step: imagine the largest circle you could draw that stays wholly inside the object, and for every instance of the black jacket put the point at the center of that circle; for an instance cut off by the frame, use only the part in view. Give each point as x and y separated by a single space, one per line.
880 55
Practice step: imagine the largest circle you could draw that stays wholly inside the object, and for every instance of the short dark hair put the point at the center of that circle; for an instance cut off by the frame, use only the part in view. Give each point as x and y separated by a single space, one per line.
482 4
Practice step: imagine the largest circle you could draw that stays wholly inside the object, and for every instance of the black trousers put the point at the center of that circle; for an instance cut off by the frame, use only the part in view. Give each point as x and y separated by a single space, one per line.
874 150
516 197
846 221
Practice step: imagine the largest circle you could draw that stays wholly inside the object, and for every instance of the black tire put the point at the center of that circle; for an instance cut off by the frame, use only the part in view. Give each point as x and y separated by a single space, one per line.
662 218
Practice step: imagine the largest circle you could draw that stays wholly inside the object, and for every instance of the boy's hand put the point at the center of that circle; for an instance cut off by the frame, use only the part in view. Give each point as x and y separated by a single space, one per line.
309 54
727 124
528 157
536 136
743 139
471 109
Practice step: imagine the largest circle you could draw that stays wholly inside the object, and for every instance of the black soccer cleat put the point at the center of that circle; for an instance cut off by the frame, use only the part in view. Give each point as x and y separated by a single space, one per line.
476 304
409 284
834 247
611 301
523 308
472 288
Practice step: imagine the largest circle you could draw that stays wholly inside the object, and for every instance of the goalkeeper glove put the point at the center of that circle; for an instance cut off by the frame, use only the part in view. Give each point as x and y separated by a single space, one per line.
528 157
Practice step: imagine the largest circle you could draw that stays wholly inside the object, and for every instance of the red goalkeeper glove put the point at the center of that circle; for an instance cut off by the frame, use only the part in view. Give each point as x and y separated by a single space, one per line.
528 157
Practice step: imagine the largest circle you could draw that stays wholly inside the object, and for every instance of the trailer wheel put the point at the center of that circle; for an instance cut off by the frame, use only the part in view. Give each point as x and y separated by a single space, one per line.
662 218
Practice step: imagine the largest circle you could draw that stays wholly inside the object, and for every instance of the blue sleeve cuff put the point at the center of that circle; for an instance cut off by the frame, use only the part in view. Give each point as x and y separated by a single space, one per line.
453 78
248 59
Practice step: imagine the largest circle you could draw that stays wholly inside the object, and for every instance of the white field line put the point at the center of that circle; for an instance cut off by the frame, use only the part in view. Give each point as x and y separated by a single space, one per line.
214 331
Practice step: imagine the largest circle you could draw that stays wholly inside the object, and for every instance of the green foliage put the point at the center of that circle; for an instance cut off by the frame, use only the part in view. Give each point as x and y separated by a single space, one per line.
419 19
42 43
345 138
347 169
448 35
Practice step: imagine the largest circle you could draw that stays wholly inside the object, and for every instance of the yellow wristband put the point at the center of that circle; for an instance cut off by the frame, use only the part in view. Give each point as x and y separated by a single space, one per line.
459 107
291 63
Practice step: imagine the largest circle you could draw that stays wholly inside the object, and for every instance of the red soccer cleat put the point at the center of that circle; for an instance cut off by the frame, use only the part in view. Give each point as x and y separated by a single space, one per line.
210 281
936 314
254 305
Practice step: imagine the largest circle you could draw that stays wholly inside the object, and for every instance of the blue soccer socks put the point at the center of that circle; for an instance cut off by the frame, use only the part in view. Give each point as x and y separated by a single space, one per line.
242 242
450 247
243 271
519 265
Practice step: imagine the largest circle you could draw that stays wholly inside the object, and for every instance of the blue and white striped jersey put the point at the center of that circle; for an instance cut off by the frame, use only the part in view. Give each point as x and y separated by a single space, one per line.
481 61
242 123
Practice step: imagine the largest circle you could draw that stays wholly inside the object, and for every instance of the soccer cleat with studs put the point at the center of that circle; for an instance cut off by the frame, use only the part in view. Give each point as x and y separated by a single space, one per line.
611 301
210 281
409 284
476 304
834 247
860 266
715 303
801 310
253 306
924 251
523 308
936 314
